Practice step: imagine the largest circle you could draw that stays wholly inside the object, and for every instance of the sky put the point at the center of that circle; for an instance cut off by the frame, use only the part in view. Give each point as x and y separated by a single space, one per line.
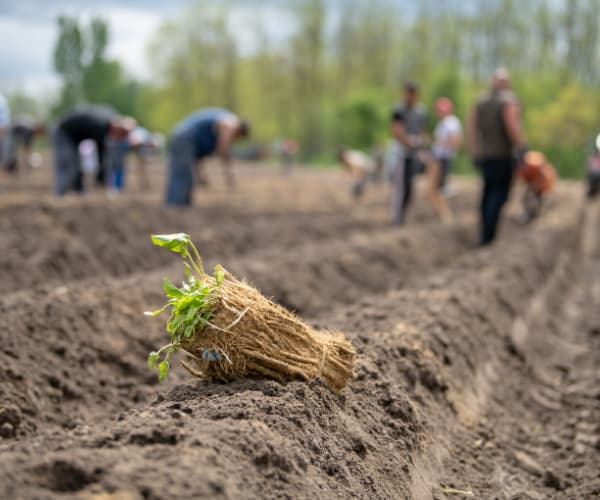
28 30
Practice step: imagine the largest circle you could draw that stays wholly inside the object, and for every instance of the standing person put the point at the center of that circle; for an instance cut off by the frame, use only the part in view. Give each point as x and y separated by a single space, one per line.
447 139
4 123
593 170
408 130
200 135
99 124
495 137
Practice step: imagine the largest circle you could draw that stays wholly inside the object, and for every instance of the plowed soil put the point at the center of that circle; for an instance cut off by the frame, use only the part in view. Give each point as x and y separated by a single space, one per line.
478 373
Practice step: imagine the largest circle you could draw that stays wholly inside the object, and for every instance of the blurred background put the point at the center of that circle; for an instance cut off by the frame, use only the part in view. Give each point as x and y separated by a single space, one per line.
323 71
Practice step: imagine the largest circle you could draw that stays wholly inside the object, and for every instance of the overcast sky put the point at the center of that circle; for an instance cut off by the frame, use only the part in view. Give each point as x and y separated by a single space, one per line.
28 30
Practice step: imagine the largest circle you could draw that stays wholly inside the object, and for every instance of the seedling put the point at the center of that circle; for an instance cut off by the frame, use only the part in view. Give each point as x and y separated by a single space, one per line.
190 305
228 330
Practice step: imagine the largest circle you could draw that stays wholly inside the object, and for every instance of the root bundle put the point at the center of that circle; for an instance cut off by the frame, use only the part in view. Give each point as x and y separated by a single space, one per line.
249 336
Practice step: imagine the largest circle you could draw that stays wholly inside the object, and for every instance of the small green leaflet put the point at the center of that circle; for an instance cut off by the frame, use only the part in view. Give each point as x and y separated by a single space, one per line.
219 274
176 242
170 289
152 359
163 370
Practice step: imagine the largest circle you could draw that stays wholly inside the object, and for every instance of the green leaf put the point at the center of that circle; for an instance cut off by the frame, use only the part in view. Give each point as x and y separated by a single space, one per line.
188 271
176 242
152 359
163 370
171 290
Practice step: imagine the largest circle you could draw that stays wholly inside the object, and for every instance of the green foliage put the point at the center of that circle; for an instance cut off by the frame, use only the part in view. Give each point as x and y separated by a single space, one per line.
88 76
190 305
336 74
564 125
361 121
177 242
20 103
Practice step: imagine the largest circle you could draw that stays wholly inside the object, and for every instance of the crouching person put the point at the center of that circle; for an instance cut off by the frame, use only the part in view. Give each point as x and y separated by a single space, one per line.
200 135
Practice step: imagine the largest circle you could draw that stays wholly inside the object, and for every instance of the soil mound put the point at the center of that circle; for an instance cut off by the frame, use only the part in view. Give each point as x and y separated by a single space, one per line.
476 371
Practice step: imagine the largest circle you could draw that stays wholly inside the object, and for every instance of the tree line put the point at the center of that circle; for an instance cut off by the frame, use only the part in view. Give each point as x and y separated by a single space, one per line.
335 76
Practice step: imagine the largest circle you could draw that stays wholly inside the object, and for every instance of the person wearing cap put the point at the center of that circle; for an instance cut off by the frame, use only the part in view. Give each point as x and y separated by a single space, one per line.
408 124
200 135
495 140
99 124
593 169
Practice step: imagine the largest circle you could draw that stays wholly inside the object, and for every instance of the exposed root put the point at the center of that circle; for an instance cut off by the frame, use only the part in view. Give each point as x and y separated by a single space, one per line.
253 337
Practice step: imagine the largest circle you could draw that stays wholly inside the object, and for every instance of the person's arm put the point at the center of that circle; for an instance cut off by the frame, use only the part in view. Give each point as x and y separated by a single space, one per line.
456 137
399 133
511 113
226 130
472 138
398 129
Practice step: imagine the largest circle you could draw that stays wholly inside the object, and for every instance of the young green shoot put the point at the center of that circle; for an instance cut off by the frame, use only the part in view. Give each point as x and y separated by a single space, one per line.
190 305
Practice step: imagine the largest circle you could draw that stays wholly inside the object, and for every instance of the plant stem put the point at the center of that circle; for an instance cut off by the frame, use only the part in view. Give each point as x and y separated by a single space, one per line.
198 262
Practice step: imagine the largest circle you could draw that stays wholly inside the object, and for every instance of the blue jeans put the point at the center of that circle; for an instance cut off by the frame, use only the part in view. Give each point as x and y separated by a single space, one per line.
181 171
497 181
117 151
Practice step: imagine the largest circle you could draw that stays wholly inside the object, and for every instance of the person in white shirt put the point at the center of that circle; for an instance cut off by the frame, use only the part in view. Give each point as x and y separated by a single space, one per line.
447 137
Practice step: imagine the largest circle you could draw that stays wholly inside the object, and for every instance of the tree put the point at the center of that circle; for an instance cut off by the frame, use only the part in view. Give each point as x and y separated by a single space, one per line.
88 76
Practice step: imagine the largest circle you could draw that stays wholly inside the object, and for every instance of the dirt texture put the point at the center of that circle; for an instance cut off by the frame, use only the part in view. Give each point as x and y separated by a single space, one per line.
478 370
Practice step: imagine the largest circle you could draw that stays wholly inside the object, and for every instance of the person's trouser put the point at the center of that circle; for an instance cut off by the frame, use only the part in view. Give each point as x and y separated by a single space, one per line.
445 164
5 148
181 171
67 167
497 181
10 154
116 151
593 184
402 180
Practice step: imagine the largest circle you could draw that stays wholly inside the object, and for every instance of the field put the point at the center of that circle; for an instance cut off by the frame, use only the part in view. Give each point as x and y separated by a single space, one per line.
478 373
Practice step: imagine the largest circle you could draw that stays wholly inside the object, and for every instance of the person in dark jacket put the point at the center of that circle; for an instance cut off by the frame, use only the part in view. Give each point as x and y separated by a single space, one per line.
495 143
99 124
